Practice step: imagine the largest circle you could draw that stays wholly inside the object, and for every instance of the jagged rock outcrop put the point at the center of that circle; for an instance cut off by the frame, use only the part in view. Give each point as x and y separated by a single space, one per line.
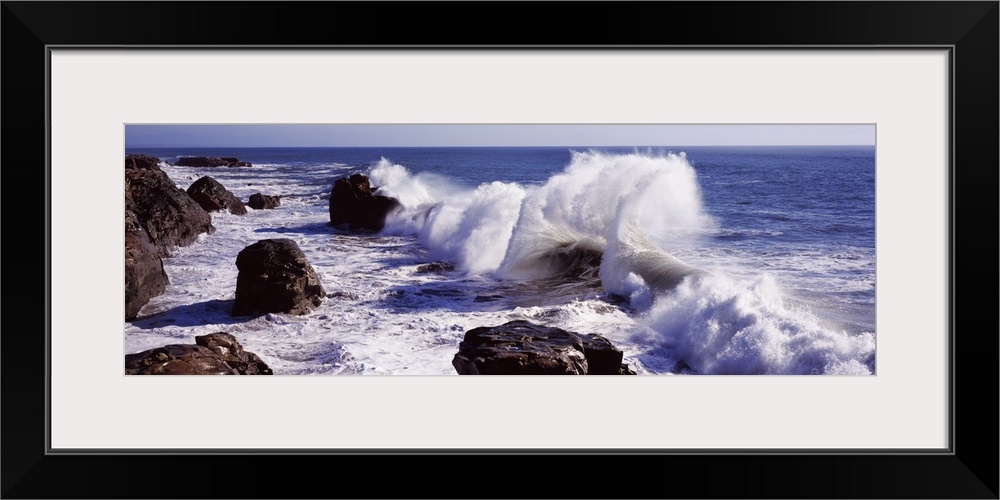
213 354
260 201
212 196
211 161
169 215
144 274
274 276
524 348
353 205
158 217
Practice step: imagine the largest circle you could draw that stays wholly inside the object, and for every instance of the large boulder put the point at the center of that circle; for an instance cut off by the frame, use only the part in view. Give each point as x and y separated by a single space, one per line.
259 201
212 196
169 216
158 217
211 161
352 204
274 276
524 348
213 354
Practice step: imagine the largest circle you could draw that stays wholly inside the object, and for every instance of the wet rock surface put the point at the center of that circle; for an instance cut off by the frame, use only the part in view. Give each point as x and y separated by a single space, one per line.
169 215
259 201
274 276
213 354
353 205
525 348
212 196
159 216
435 267
144 274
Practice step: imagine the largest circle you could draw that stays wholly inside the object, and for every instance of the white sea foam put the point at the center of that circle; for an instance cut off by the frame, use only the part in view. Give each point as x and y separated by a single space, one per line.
718 325
514 232
595 197
467 227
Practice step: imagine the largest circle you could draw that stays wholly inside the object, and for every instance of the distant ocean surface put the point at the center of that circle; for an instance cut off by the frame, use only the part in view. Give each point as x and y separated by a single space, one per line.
716 260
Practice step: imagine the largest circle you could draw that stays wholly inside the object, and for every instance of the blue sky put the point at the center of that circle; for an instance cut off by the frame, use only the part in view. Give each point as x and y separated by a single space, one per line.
276 135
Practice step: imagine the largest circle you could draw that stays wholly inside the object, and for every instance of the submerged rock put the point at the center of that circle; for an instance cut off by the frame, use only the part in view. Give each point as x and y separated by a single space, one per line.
274 276
212 196
524 348
435 267
211 161
213 354
260 201
158 217
353 204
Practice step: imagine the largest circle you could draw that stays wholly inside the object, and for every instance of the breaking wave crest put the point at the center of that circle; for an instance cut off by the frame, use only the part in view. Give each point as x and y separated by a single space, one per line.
612 217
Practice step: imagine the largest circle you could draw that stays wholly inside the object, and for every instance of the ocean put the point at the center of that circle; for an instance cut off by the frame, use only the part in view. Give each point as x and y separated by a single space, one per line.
714 260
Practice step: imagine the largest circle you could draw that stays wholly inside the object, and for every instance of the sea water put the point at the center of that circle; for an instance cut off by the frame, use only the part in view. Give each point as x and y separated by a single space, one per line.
691 260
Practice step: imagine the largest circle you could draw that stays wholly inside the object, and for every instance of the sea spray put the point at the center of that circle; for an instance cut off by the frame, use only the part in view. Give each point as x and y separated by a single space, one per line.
518 232
614 216
718 325
412 190
597 193
632 261
467 227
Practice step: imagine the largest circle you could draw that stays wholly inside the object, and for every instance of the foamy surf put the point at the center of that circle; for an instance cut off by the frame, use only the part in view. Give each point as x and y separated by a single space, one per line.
717 325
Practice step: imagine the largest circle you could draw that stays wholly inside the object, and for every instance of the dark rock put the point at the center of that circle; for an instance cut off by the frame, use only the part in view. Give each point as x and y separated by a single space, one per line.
524 348
212 196
487 298
260 201
211 161
226 347
169 216
213 354
435 267
142 162
353 204
144 274
275 277
602 357
158 217
177 359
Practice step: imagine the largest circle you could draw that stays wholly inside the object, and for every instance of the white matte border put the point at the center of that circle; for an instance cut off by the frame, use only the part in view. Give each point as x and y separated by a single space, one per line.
905 93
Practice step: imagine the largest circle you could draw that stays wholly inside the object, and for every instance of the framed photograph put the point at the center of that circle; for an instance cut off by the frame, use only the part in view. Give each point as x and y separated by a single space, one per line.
777 198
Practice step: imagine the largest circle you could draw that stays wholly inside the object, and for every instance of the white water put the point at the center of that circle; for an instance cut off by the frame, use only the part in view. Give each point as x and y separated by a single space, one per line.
509 231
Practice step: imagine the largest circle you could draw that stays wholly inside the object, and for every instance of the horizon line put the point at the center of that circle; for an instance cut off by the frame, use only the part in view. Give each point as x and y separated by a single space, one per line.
511 146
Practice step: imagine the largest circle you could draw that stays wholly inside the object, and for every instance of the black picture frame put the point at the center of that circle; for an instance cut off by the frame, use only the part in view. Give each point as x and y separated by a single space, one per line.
968 470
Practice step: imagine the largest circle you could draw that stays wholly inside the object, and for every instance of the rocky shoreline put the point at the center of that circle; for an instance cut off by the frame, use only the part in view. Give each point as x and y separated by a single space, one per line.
276 278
